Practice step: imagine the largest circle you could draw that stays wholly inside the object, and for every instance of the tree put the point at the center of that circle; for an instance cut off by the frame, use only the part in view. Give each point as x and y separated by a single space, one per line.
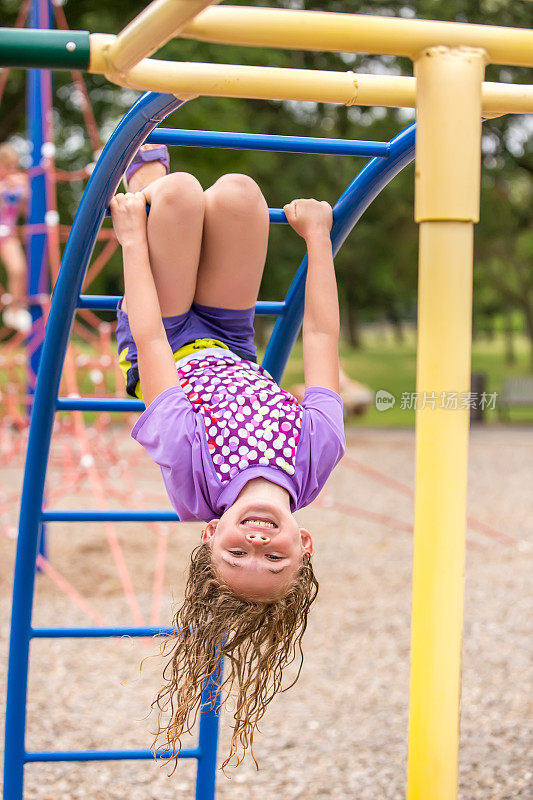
377 266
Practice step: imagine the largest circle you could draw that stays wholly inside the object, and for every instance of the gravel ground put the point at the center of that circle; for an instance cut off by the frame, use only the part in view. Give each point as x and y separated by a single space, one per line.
340 733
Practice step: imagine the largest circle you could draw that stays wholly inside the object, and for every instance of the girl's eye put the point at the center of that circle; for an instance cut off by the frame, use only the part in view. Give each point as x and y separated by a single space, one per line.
273 558
237 552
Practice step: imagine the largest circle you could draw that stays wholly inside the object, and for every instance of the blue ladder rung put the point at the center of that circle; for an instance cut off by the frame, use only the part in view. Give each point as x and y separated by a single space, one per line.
108 302
108 515
98 404
277 215
105 755
102 633
268 142
103 302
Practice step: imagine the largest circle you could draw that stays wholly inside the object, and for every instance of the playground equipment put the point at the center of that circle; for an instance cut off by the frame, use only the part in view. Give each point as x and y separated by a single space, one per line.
44 235
43 232
451 99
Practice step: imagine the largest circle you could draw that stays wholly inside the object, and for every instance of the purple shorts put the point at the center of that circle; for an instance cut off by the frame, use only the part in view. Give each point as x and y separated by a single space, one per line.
232 327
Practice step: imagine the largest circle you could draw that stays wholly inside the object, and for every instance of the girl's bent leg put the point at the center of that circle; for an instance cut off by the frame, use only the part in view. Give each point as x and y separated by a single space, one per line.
174 231
234 246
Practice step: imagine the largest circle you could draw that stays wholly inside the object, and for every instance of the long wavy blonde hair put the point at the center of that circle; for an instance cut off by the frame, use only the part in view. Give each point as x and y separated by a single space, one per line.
256 639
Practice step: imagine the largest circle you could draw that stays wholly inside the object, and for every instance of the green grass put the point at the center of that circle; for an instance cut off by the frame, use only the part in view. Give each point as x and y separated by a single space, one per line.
382 363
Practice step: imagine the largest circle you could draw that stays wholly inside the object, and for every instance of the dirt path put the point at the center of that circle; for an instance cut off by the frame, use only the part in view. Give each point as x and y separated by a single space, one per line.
340 733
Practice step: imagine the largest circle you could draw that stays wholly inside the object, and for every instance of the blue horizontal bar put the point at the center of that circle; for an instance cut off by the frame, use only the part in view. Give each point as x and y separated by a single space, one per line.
108 515
105 755
276 215
103 302
98 302
98 404
101 633
262 141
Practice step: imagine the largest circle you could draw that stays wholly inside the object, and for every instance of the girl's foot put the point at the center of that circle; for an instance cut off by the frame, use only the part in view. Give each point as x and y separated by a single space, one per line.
147 166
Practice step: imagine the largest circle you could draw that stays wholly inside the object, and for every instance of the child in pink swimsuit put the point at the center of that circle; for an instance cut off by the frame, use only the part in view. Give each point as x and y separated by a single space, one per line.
235 450
13 194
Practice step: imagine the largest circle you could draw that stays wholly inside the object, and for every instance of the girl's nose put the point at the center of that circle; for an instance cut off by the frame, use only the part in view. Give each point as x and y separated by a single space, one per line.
257 538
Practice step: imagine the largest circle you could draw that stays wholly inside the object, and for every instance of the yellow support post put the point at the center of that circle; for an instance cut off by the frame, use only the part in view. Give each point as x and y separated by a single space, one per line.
448 155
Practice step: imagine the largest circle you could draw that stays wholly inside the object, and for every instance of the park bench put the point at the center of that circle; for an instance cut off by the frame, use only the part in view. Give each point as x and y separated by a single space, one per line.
516 392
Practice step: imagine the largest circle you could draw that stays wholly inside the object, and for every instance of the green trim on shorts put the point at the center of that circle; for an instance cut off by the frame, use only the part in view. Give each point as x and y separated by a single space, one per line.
192 347
198 344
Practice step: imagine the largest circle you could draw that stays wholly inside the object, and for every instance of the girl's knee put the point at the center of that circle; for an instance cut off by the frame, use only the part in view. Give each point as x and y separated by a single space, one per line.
178 191
237 192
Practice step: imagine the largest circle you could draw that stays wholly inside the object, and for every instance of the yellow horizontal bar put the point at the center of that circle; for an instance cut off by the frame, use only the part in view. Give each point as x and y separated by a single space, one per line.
506 98
316 30
230 80
150 30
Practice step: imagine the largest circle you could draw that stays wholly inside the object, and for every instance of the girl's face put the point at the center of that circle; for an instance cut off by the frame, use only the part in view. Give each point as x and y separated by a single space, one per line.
257 548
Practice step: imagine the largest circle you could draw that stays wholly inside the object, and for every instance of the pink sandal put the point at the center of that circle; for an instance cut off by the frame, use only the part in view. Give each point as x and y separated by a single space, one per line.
142 156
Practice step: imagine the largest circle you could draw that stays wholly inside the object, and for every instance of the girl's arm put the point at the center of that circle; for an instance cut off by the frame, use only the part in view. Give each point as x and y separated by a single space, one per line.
157 370
312 220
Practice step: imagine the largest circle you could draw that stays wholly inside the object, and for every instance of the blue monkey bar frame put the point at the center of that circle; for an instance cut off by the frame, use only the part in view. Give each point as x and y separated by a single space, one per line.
139 123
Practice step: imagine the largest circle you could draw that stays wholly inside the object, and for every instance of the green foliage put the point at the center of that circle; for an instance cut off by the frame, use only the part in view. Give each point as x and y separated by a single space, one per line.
381 362
377 266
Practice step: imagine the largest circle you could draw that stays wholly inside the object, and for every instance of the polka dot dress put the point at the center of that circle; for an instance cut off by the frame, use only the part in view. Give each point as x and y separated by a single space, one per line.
249 421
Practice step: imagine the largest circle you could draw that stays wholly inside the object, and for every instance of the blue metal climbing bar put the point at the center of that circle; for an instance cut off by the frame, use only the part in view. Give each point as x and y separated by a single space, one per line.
268 142
139 124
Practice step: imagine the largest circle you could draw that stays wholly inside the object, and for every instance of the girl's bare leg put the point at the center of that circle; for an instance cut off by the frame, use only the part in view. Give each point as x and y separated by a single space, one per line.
12 255
234 245
174 228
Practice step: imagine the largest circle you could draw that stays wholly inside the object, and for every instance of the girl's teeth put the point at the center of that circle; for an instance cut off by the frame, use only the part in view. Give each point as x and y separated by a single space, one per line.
260 522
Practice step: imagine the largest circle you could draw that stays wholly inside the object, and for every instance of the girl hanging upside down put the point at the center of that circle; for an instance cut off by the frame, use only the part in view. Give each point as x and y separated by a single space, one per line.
235 450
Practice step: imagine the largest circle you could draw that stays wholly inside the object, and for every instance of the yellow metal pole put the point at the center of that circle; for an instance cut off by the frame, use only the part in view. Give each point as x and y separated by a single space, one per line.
356 33
507 98
234 80
448 154
149 31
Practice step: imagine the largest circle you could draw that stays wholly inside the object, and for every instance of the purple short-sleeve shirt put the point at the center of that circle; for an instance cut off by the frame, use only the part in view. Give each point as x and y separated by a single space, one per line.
229 422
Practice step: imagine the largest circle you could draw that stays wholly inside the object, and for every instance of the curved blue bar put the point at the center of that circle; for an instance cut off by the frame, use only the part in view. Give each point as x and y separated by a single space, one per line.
268 142
346 212
59 515
105 755
371 180
118 152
